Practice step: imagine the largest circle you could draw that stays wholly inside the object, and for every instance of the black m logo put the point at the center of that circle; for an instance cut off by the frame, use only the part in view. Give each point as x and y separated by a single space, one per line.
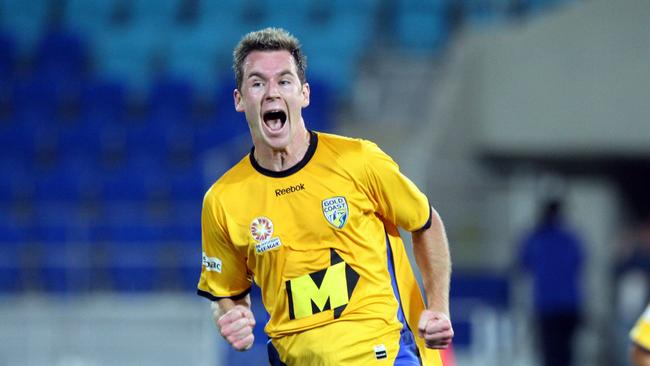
328 289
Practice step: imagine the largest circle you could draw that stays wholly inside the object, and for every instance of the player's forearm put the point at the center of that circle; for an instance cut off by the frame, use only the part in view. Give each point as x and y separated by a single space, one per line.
222 306
640 357
431 251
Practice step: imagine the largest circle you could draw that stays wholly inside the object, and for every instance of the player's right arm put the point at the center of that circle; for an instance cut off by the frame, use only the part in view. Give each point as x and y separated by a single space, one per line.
640 337
235 321
640 356
225 279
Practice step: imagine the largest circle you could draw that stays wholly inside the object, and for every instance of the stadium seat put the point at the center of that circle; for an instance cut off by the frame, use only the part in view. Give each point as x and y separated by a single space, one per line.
103 102
488 288
7 59
74 180
139 180
127 53
422 32
157 13
319 114
35 102
171 99
199 51
188 184
90 18
12 236
65 267
26 18
17 142
61 57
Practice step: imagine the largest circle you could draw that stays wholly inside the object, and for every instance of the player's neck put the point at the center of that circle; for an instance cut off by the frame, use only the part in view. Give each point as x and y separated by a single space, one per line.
280 160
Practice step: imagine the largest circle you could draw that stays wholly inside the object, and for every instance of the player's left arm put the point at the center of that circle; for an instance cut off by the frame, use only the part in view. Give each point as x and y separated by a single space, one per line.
431 250
639 355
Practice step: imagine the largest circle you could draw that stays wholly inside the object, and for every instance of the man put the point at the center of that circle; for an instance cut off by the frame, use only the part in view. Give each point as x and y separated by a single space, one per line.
552 253
313 218
640 336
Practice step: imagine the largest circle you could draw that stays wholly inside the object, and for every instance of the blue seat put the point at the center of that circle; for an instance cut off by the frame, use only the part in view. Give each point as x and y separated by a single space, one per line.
188 184
74 180
488 288
158 13
133 254
17 142
171 98
12 237
199 51
26 18
64 267
422 26
7 59
18 180
82 142
62 57
35 102
88 17
103 101
319 114
126 53
132 263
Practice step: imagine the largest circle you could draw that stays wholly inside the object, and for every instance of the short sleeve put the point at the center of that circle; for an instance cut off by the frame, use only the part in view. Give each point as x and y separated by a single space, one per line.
396 198
223 271
640 334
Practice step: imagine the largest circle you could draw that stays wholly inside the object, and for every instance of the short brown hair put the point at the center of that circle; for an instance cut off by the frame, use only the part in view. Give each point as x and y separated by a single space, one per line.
268 39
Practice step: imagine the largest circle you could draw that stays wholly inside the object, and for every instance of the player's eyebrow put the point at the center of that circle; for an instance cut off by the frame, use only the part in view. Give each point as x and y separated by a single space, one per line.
285 72
256 74
262 76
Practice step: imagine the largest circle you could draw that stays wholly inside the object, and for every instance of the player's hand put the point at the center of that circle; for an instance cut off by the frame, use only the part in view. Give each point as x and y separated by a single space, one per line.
236 326
435 328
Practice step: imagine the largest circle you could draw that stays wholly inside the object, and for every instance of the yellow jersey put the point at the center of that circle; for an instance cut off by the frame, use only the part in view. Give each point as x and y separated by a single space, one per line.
321 241
640 334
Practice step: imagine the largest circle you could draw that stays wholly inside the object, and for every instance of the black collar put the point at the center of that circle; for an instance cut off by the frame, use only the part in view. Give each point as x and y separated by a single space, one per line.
313 142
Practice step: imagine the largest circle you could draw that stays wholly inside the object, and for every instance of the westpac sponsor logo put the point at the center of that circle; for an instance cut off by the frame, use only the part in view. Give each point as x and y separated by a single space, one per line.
261 230
336 211
211 264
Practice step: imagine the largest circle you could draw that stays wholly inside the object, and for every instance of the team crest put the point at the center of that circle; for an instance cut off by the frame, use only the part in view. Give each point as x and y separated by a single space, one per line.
262 232
335 210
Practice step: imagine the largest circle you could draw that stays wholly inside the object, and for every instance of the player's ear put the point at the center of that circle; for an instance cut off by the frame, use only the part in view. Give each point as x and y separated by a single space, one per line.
305 94
239 101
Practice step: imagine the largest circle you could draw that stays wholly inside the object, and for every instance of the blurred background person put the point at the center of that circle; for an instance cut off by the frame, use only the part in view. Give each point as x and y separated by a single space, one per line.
552 253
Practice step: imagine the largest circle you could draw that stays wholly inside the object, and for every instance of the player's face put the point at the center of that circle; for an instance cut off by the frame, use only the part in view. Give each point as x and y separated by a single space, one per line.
272 98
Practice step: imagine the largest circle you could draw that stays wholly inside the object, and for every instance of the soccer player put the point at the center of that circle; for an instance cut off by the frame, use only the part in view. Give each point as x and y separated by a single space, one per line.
313 219
640 336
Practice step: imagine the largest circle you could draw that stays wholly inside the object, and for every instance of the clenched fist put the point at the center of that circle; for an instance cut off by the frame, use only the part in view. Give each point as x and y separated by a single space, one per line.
236 326
435 328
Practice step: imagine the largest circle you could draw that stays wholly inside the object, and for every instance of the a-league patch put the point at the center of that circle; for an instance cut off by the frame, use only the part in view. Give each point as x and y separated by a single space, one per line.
336 211
261 230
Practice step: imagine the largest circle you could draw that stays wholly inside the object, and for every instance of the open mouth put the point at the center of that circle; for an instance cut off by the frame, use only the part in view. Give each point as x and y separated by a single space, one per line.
275 119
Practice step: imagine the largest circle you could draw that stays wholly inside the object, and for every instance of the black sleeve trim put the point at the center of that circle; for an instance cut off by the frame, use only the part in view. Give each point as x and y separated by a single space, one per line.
428 223
211 297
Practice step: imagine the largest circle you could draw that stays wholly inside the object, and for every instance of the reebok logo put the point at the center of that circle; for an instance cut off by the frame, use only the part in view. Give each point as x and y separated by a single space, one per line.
291 189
